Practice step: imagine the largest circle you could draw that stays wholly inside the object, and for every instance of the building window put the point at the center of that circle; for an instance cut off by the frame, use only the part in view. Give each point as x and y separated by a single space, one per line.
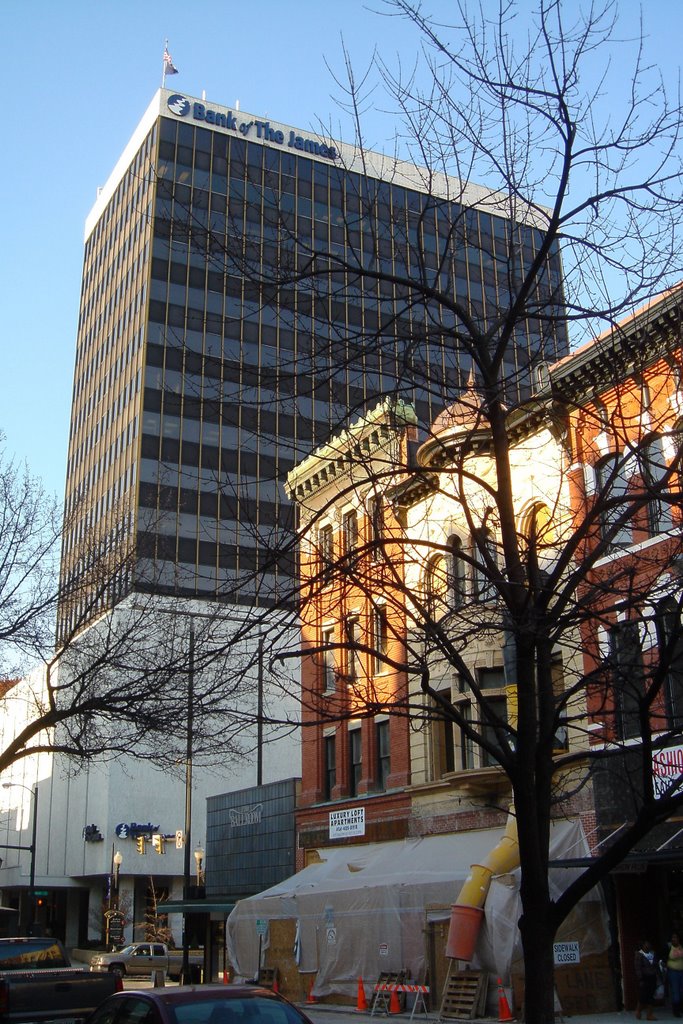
325 550
375 526
380 639
436 586
654 470
492 681
457 576
467 760
355 761
330 754
670 638
627 678
352 649
327 656
443 746
612 484
350 532
482 583
383 755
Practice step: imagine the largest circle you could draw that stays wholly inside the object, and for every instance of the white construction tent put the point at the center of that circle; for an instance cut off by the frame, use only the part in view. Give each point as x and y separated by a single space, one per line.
362 910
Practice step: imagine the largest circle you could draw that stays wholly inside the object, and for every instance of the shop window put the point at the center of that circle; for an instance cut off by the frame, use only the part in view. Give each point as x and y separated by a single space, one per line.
355 761
330 765
383 754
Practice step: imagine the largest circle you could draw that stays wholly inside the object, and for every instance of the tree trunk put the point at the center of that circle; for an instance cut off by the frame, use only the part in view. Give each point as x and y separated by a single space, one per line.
539 970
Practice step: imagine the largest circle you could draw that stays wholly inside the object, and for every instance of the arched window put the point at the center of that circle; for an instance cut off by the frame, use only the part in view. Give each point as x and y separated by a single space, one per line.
436 585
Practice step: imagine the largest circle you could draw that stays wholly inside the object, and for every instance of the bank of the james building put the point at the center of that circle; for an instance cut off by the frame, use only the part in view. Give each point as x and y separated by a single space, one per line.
201 376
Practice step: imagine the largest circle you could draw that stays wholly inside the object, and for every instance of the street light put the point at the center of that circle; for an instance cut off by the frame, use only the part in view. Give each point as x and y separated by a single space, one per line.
199 860
118 860
32 877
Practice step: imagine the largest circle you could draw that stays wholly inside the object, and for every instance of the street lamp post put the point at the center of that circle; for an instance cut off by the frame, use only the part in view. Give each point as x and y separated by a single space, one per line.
32 848
118 860
199 860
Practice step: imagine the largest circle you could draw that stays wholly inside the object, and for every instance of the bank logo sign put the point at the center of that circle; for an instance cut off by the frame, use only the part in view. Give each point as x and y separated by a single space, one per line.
181 107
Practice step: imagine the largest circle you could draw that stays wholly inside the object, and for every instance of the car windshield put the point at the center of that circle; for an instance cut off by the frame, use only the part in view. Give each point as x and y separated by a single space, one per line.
127 951
217 1010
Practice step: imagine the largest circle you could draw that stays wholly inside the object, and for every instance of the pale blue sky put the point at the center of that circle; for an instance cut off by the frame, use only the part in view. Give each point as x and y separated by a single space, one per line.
77 77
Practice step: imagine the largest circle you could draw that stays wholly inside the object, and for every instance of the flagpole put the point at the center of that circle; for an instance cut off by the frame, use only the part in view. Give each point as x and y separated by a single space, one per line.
163 61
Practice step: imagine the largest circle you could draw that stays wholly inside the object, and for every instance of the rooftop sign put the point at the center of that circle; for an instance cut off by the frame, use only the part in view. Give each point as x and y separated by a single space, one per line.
254 129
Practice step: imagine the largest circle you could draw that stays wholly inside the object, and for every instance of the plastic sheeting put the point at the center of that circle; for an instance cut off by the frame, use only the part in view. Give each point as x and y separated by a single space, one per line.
362 910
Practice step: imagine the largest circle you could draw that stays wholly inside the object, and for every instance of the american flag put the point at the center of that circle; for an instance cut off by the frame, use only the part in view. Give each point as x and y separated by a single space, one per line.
169 66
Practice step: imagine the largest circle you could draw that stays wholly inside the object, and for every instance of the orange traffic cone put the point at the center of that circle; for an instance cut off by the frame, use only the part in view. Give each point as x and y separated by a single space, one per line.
394 1005
310 998
226 976
361 1003
503 1005
276 987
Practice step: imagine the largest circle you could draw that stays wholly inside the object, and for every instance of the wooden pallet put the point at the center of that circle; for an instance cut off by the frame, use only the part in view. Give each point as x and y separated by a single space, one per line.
464 995
382 995
267 977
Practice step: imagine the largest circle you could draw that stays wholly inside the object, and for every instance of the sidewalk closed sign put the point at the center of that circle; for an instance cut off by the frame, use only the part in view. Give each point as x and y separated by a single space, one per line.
566 953
349 822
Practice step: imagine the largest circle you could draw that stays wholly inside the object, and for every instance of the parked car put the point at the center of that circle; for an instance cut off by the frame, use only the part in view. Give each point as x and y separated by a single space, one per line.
38 983
143 958
199 1004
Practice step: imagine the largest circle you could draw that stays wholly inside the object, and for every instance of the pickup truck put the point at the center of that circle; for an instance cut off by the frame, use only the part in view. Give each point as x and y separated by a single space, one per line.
144 958
38 985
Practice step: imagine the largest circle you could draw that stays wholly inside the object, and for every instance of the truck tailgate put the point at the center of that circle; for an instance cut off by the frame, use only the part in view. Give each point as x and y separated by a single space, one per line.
46 995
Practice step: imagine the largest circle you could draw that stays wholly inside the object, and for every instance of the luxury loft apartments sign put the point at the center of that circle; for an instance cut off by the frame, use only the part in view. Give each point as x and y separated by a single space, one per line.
181 107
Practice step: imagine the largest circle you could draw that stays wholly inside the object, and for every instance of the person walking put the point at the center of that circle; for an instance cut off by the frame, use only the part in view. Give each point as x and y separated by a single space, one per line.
647 975
674 972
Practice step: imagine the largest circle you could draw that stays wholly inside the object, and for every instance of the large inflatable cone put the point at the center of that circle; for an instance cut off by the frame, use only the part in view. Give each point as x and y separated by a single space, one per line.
276 987
503 1005
394 1005
310 998
361 1003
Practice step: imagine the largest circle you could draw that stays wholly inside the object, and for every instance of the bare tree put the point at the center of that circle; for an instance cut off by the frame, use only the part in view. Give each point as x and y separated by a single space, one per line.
597 178
122 678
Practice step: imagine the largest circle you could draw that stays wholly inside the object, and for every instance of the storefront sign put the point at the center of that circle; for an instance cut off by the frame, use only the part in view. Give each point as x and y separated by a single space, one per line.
566 953
349 822
667 769
131 831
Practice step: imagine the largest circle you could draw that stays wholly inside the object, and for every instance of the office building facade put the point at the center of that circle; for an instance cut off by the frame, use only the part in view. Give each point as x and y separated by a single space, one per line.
209 360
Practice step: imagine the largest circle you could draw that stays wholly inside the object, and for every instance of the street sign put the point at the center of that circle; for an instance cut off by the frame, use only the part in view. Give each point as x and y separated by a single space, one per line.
261 926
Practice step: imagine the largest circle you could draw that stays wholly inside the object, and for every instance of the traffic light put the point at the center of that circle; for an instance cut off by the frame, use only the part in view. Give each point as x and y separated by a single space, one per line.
140 844
158 842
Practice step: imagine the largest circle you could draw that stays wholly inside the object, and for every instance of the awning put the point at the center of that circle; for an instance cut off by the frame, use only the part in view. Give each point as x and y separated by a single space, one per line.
196 907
